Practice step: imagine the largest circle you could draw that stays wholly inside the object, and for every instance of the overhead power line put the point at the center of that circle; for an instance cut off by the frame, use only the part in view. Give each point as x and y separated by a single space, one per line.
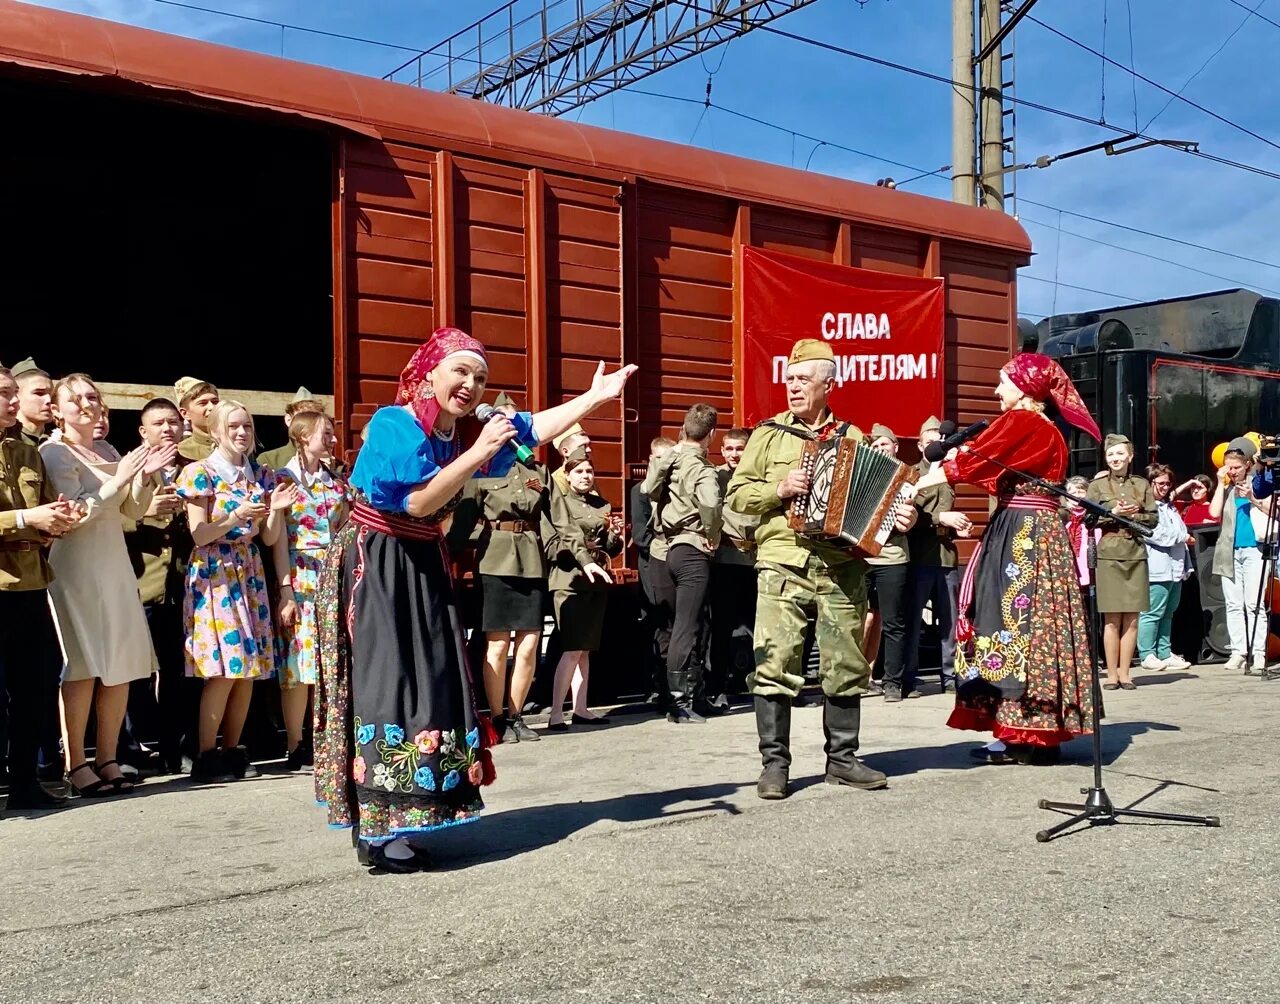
1037 105
1083 289
1146 254
1151 233
1254 12
1174 95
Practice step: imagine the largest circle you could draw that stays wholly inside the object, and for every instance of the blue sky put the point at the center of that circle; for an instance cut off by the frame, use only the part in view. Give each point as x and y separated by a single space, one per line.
907 119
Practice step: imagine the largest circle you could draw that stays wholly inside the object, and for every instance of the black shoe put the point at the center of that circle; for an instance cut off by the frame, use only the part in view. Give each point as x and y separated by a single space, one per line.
679 716
296 758
707 709
374 857
531 708
597 720
33 796
842 722
992 756
502 730
773 725
308 751
50 773
238 762
772 783
518 731
1035 756
892 695
557 726
211 767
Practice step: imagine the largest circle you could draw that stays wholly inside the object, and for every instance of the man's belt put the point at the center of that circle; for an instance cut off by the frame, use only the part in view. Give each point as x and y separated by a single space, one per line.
746 546
20 545
509 525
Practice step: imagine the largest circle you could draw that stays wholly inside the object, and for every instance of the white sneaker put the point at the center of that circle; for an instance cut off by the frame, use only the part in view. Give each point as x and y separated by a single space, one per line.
1153 664
1235 663
1259 663
1176 661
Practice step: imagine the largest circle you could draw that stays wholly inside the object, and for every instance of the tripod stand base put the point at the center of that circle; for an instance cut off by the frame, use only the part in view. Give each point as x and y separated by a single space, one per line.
1097 810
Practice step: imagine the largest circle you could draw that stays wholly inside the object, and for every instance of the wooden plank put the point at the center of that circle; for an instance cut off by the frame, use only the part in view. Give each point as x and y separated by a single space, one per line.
742 233
134 396
446 295
535 252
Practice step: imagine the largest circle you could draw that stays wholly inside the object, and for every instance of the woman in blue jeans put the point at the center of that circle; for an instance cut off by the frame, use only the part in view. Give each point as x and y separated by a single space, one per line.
1168 565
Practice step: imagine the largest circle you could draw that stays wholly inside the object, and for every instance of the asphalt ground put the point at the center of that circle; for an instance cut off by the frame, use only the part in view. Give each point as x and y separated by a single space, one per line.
635 863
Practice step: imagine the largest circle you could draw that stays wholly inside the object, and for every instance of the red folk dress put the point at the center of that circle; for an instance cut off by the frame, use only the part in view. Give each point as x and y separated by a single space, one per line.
1022 653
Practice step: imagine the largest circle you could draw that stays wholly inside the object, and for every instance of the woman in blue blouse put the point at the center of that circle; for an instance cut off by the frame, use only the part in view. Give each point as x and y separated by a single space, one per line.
400 748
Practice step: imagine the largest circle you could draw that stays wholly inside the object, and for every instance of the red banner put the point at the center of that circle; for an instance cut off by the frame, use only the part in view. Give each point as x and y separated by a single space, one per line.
885 330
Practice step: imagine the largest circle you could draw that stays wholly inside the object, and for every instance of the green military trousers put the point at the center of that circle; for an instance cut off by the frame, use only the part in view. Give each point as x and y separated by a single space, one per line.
787 598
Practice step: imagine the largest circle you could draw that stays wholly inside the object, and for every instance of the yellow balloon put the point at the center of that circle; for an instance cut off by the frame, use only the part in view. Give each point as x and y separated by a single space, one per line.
1219 455
1255 439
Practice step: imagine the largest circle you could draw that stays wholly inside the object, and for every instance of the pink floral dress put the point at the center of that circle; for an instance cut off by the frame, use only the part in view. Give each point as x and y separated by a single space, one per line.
312 521
226 612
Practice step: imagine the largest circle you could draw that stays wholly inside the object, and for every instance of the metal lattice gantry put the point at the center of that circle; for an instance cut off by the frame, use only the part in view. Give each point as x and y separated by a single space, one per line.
553 56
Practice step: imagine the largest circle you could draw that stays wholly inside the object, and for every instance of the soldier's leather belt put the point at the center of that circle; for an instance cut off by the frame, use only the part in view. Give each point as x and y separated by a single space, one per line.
20 545
509 525
742 545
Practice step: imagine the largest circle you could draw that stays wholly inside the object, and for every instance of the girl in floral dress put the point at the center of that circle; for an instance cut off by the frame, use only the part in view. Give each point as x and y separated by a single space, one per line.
318 510
400 749
229 644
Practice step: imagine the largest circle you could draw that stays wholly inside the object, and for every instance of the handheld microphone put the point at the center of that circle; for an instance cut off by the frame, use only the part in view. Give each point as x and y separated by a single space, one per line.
935 452
485 412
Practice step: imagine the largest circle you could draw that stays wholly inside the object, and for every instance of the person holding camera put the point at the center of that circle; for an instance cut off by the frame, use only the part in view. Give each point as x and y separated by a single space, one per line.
1244 505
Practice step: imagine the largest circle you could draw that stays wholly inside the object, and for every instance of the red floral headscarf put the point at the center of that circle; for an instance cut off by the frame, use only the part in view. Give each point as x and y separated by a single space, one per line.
1041 378
414 389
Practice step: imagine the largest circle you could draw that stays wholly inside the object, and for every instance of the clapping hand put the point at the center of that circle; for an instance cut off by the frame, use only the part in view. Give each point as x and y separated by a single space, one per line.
284 496
133 463
249 510
164 502
54 518
957 521
158 458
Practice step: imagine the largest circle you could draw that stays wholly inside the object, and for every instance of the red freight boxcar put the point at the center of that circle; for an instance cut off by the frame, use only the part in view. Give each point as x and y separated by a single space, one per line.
292 214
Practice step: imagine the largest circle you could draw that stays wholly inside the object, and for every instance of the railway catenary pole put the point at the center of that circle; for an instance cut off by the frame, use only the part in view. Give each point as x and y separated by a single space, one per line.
963 110
990 71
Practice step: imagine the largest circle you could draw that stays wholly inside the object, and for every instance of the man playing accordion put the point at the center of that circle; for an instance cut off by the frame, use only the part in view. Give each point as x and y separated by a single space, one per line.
801 578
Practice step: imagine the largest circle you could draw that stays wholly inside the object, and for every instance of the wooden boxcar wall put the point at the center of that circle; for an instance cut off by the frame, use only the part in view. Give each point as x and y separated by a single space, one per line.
555 271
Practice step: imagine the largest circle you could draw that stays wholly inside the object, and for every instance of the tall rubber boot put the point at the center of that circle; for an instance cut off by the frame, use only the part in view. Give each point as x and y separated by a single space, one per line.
773 723
841 722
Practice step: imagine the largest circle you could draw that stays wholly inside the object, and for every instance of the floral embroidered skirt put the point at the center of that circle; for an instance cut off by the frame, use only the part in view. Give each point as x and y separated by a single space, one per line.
1023 674
399 747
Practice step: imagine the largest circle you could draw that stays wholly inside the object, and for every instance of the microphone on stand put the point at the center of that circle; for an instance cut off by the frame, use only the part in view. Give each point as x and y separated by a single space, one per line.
485 412
935 452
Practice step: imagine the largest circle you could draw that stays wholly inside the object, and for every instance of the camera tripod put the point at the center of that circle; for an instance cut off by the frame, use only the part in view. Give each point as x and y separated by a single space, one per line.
1097 809
1267 545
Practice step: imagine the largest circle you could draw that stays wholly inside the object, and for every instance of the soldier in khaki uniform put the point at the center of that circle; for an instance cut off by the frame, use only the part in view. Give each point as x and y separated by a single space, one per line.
799 578
685 492
508 518
159 547
30 653
302 402
35 402
572 440
934 577
196 401
733 585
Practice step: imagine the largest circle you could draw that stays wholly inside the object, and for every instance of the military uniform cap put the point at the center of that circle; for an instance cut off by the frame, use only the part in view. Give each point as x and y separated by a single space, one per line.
185 385
879 431
1117 439
27 365
931 424
810 348
576 457
303 395
573 430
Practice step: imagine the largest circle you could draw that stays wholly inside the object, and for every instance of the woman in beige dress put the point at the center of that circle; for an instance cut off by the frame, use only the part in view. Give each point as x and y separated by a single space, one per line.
94 594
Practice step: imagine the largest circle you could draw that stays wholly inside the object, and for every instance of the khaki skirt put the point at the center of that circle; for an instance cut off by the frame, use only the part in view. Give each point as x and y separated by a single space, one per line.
1123 586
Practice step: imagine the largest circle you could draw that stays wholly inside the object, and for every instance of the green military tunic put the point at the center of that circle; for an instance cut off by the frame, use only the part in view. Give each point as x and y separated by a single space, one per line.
738 530
799 578
278 458
581 536
929 543
159 548
31 437
197 446
687 501
1122 557
24 562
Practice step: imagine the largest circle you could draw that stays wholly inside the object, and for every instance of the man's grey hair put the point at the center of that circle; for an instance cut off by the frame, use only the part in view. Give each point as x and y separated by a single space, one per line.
1078 481
821 369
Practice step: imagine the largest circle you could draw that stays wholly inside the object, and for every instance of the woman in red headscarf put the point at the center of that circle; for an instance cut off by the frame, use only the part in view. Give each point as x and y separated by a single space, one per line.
1022 654
400 748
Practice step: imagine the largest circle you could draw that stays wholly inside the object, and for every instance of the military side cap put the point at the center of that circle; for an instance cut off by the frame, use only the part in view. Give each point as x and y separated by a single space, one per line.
1117 439
931 424
810 348
503 400
303 395
185 385
578 456
27 365
879 431
573 430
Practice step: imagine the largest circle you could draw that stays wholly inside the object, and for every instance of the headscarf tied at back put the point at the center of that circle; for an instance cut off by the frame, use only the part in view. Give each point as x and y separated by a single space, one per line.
1042 379
414 389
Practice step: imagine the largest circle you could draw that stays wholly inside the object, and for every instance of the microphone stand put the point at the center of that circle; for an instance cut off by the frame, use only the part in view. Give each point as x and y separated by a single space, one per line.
1267 546
1097 809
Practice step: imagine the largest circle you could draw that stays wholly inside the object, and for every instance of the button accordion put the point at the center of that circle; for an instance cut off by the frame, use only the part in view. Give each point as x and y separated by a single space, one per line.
852 491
